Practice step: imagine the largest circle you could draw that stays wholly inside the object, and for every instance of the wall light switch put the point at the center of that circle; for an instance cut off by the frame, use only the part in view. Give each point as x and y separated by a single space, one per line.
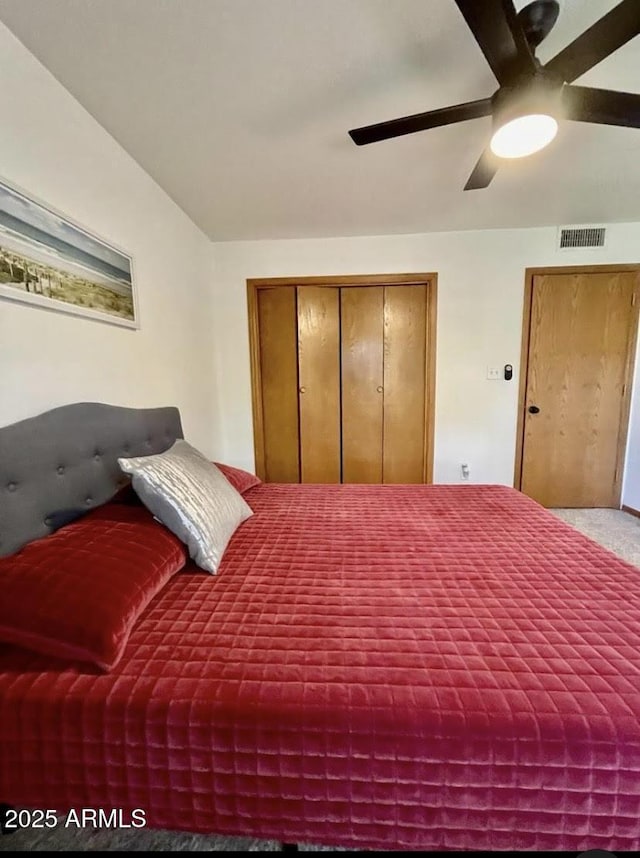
493 373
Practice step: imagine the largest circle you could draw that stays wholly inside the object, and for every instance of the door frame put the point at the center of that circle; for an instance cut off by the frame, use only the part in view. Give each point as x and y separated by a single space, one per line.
530 273
430 280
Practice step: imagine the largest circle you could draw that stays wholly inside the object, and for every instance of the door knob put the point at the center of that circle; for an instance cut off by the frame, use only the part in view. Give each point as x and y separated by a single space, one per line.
379 388
533 409
302 389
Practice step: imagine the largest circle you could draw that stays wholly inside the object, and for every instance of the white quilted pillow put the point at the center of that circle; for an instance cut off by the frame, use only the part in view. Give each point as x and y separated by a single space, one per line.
190 496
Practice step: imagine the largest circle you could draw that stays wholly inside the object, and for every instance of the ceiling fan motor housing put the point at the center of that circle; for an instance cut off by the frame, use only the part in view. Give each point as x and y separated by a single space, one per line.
542 93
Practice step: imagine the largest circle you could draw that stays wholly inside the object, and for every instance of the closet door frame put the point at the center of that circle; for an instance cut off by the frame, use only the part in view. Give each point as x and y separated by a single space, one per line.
430 281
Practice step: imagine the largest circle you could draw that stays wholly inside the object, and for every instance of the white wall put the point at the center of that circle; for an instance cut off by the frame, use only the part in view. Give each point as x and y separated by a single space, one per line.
480 295
51 147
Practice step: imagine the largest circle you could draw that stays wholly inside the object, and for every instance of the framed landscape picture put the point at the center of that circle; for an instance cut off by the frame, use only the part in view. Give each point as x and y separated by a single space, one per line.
47 260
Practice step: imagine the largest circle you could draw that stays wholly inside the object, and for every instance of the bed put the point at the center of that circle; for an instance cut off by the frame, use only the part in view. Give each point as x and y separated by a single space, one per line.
419 667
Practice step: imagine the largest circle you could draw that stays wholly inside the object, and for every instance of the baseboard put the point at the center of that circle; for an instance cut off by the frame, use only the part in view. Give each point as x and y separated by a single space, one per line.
631 510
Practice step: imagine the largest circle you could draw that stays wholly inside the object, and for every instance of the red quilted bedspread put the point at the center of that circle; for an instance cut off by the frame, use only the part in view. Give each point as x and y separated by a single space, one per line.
429 667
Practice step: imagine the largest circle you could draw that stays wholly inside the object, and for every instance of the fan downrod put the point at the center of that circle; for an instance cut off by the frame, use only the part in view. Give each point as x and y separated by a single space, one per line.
538 19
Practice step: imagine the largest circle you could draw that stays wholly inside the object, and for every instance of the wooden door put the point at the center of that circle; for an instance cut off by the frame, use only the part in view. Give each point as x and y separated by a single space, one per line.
362 311
404 370
278 360
319 383
581 336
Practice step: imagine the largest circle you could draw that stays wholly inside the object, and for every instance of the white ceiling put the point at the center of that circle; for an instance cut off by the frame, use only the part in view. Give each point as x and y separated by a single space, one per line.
240 111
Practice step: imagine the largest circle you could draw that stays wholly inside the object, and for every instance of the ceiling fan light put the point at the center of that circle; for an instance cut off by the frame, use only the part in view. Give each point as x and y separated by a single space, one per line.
524 135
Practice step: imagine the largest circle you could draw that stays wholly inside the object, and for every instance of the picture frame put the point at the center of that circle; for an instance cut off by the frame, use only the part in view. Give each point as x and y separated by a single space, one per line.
50 261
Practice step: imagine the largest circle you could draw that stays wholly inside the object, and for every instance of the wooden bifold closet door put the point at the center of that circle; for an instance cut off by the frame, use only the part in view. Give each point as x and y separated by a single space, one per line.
319 384
383 384
362 383
343 382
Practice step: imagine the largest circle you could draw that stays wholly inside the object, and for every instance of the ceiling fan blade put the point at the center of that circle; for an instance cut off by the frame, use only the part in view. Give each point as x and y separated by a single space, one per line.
608 34
483 172
496 28
602 106
421 121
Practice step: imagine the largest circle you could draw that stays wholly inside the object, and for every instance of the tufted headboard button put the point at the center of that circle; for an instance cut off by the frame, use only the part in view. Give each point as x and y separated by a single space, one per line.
12 486
60 469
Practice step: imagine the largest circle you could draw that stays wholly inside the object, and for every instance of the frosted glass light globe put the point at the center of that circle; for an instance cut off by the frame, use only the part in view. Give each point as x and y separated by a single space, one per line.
524 135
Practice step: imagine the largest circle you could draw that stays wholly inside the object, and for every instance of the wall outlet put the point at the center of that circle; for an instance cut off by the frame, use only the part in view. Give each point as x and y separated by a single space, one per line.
493 373
464 470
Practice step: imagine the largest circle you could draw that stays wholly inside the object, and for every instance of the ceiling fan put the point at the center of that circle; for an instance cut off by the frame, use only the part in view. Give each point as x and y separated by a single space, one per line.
531 97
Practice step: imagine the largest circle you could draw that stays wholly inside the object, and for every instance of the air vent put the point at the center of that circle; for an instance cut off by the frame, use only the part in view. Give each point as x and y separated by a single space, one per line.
571 237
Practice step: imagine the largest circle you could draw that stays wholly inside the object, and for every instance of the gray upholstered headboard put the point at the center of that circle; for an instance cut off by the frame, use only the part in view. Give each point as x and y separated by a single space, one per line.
62 463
